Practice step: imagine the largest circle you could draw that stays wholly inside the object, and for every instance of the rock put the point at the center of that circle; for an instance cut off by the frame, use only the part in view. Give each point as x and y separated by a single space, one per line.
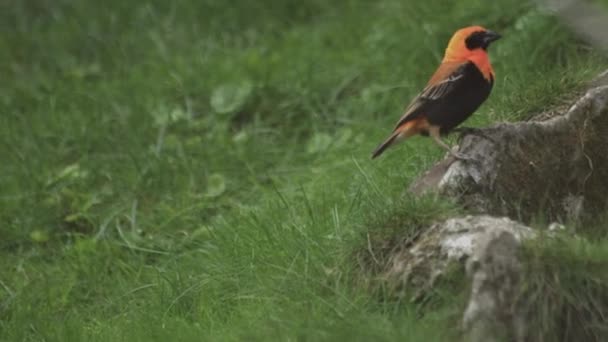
488 246
600 80
492 313
452 241
556 227
557 167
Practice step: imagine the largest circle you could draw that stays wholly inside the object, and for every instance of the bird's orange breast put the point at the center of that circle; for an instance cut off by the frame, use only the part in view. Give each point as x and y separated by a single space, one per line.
478 57
482 62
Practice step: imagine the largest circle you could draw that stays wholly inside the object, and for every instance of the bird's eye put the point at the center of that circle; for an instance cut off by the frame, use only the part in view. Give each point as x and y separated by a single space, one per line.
476 40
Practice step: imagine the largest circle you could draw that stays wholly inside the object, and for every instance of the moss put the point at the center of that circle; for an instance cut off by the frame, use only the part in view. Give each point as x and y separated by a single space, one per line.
541 170
564 290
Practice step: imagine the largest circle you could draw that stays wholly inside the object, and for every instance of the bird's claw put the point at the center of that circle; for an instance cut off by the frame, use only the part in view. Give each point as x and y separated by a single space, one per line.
464 158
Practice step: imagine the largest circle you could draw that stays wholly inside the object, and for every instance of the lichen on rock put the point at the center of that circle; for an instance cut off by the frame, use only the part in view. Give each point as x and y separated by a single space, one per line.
557 167
454 240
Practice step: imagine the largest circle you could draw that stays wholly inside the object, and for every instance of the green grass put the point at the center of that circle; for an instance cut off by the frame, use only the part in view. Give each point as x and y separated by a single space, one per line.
199 170
565 289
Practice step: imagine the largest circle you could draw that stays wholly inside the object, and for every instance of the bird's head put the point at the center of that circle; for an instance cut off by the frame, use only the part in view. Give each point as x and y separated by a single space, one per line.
469 40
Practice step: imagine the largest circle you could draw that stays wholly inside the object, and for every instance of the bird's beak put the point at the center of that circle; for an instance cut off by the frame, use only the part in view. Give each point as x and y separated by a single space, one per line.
491 36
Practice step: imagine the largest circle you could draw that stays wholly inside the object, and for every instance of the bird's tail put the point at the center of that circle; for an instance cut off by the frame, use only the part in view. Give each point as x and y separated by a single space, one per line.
388 142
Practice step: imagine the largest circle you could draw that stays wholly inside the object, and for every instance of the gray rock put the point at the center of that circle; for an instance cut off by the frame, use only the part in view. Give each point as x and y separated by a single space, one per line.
557 167
486 245
492 313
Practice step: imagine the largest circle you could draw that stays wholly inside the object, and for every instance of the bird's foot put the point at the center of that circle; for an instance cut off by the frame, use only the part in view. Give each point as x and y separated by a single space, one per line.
463 157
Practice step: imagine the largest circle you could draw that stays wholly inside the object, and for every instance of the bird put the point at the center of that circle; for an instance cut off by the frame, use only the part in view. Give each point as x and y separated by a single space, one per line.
461 83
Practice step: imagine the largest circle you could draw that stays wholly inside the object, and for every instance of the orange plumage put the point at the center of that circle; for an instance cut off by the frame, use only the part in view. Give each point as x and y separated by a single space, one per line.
461 83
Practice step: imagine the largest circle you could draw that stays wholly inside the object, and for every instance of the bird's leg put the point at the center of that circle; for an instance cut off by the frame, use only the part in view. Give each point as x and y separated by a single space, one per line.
434 133
472 131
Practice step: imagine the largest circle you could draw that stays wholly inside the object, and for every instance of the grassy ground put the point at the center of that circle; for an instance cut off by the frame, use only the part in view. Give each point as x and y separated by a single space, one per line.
198 170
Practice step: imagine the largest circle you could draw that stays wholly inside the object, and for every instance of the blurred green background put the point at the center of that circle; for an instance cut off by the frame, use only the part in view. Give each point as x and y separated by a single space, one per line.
199 170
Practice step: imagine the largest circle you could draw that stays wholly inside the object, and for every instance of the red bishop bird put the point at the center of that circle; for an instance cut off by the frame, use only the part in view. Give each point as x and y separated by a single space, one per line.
460 85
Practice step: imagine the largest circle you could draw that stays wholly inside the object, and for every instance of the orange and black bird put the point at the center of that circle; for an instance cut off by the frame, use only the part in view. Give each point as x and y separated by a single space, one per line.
460 85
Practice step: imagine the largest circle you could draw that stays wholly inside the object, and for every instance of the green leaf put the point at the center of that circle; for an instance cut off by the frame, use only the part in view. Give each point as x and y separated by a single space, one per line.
39 236
216 185
165 116
229 98
71 172
240 138
319 142
344 137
